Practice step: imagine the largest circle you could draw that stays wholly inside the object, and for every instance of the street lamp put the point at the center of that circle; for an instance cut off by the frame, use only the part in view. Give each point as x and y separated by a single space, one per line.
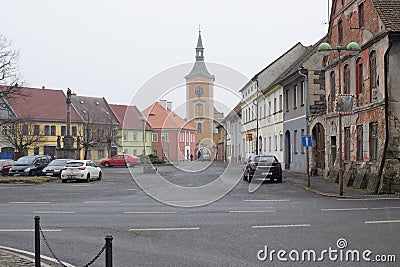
325 48
144 120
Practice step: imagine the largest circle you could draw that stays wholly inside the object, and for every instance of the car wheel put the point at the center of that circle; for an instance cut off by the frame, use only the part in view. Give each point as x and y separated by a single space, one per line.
129 164
88 178
64 181
279 180
100 175
249 177
245 176
106 164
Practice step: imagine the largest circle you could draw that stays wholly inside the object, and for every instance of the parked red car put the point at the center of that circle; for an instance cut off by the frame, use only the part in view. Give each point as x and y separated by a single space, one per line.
121 160
5 166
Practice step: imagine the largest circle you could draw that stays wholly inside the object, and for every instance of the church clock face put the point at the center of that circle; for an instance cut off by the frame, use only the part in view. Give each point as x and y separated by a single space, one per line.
199 90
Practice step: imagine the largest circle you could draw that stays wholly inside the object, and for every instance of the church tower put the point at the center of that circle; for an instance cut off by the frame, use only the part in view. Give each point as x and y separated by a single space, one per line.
200 99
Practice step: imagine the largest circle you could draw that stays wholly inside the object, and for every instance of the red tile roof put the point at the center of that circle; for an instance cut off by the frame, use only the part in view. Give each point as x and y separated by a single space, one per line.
42 105
389 12
161 118
129 117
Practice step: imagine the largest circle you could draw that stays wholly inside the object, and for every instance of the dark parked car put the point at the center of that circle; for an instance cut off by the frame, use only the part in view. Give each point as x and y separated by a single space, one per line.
121 160
55 167
29 165
263 167
5 166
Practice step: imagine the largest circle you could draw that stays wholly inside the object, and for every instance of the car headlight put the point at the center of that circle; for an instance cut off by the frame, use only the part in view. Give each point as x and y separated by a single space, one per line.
27 170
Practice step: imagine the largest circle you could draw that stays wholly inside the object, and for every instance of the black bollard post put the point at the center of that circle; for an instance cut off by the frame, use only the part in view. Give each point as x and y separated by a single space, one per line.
37 241
109 239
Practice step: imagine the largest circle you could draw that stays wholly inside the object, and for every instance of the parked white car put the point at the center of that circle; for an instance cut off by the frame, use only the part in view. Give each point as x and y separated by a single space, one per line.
80 170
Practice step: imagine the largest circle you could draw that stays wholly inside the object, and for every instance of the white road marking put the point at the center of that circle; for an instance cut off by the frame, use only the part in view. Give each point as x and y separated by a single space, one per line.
185 201
250 211
150 212
43 202
33 254
376 222
281 226
101 202
345 209
165 229
367 199
266 200
29 230
54 212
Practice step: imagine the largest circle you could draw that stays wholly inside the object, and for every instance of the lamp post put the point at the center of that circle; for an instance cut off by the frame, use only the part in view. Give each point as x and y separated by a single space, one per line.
325 48
143 119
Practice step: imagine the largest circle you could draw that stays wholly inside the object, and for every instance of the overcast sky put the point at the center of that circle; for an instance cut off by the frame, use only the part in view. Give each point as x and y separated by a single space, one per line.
112 48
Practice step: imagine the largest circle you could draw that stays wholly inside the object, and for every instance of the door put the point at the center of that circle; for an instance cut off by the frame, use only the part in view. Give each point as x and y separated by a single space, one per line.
318 133
287 150
333 150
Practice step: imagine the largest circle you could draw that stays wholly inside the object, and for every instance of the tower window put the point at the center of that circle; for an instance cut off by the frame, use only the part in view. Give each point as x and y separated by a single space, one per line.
199 128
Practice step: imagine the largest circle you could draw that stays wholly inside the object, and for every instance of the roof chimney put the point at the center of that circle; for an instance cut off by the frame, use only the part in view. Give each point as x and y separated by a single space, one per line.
43 87
169 105
163 103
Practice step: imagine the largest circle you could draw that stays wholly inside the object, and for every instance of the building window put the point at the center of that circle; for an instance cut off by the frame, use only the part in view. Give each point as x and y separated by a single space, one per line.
199 110
182 137
135 152
287 100
165 153
280 103
275 105
265 144
295 96
372 69
347 143
265 109
295 142
359 79
125 136
347 79
373 140
100 154
340 31
199 128
270 107
270 144
302 93
333 89
36 129
53 130
302 147
361 15
63 130
155 152
36 150
135 136
154 137
164 137
276 142
360 143
74 131
281 141
25 129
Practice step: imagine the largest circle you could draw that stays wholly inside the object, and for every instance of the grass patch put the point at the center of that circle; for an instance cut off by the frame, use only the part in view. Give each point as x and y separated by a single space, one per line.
26 179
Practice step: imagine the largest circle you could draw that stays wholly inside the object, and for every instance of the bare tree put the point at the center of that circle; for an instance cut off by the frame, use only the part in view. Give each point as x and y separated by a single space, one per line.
90 135
10 77
22 135
110 137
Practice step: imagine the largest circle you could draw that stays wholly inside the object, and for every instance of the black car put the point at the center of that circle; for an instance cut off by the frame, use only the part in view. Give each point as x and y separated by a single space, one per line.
29 165
55 167
263 167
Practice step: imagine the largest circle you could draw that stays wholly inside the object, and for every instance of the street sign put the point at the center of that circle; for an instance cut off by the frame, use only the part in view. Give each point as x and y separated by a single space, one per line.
249 137
306 141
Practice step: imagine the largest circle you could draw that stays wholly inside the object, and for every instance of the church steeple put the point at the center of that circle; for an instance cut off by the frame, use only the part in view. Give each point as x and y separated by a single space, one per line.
199 49
199 67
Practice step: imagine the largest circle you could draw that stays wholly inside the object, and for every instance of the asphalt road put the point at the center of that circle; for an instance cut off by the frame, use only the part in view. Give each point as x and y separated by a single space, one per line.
231 231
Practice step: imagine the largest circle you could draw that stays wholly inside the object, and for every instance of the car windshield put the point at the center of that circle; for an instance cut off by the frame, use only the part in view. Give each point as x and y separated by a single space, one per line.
74 164
25 161
57 162
264 159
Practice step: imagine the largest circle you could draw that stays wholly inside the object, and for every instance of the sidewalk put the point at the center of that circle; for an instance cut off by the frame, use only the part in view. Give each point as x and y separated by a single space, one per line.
325 187
11 259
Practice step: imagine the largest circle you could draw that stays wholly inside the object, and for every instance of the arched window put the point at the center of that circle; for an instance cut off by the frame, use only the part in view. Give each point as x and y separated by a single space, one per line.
199 128
333 89
359 80
199 110
372 72
346 79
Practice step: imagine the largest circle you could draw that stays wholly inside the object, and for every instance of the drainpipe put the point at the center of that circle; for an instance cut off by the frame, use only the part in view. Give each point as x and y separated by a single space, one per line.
386 63
306 94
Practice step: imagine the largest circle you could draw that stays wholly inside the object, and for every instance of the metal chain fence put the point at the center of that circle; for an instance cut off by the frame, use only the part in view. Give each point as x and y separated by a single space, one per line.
108 244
